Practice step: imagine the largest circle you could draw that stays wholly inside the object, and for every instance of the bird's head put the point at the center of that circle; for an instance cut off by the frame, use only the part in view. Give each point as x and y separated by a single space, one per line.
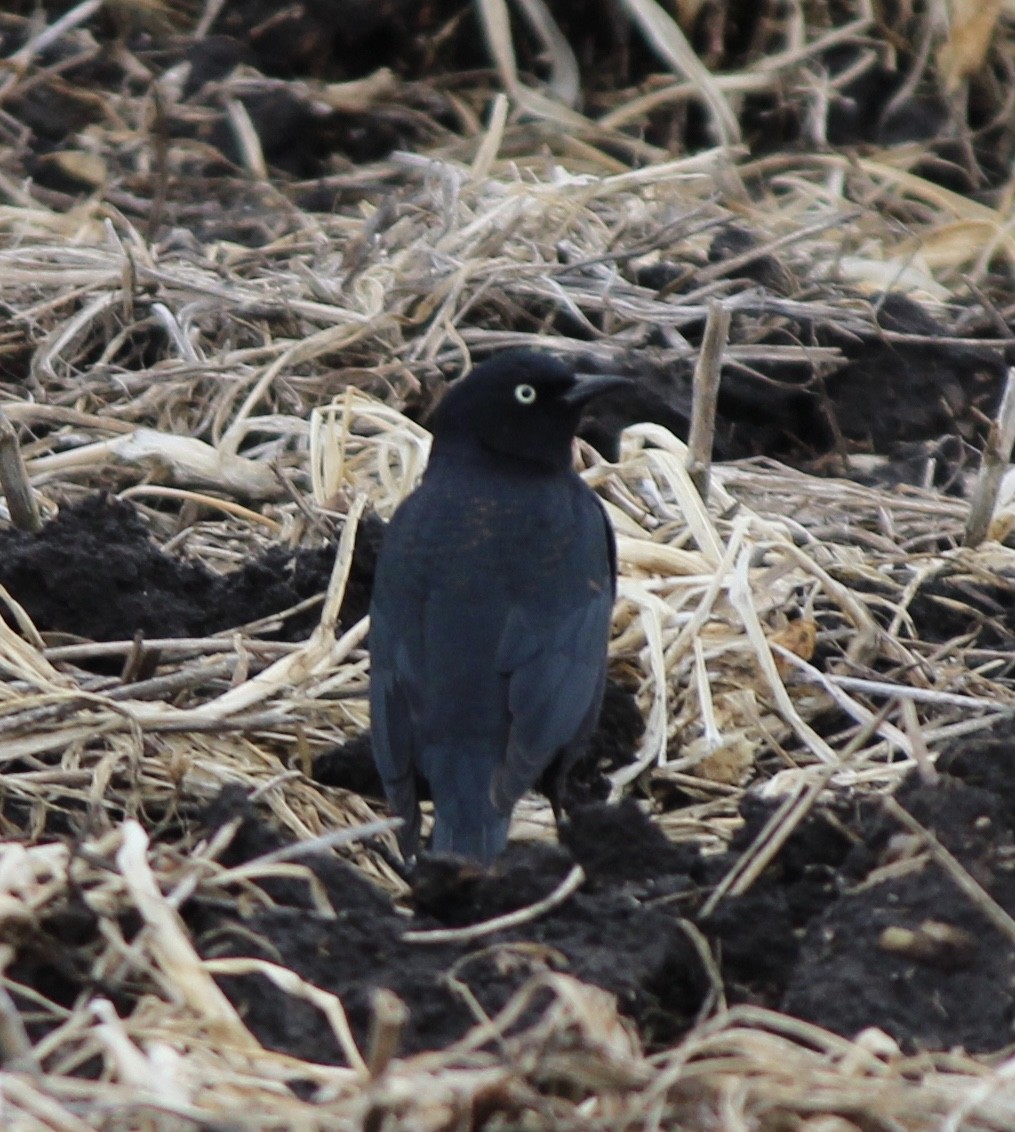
522 404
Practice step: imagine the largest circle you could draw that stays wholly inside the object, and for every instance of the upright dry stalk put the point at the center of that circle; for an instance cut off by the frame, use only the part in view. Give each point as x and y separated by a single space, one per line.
705 394
388 1016
996 455
14 480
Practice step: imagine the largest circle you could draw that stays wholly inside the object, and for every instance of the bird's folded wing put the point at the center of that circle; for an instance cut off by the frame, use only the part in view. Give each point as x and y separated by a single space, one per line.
555 667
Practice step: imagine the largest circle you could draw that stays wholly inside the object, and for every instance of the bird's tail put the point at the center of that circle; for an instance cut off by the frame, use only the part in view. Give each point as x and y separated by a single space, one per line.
481 840
466 821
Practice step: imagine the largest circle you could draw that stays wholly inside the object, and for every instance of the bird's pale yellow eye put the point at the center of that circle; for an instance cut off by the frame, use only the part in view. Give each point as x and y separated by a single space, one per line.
525 394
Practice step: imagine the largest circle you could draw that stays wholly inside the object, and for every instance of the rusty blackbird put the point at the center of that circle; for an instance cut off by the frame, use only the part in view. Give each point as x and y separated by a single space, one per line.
491 607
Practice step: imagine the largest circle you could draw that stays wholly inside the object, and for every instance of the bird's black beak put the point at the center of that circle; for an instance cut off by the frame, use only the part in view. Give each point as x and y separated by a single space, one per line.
589 385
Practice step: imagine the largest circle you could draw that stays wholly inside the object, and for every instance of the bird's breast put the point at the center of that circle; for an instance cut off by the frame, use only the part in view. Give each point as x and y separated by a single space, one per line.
517 533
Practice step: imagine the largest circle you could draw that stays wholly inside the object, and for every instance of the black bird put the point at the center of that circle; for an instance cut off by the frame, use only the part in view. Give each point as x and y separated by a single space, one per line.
491 607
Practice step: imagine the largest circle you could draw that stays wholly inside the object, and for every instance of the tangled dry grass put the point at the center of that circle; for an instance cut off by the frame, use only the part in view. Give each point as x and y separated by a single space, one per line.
247 393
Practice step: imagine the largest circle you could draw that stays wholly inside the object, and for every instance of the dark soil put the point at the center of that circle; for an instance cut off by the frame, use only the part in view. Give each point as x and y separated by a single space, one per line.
94 572
854 924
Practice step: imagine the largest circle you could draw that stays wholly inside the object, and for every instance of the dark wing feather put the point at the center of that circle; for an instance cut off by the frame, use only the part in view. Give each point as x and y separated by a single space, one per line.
391 714
555 662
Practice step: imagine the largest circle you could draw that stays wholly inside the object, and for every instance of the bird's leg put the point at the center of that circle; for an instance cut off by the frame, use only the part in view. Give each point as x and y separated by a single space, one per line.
403 868
555 789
